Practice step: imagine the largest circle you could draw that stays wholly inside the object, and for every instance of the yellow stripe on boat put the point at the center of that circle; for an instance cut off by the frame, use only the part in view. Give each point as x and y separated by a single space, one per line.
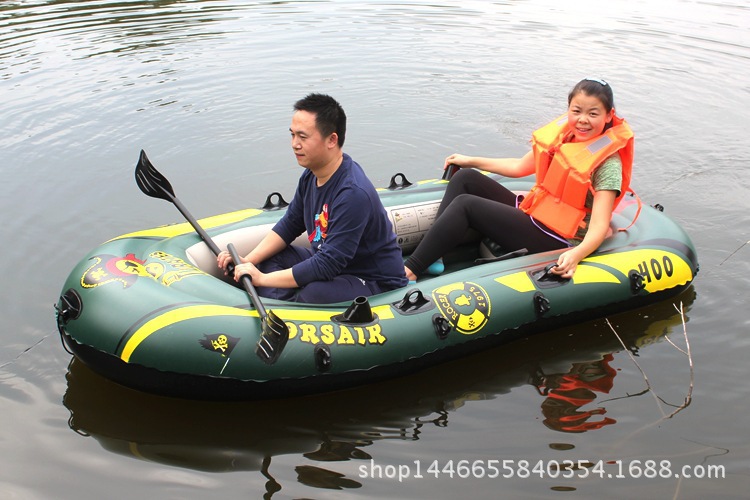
660 269
520 282
185 227
175 316
206 310
589 274
383 312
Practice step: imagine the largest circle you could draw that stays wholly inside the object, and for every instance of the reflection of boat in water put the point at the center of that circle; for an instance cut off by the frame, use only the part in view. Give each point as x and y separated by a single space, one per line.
221 436
566 393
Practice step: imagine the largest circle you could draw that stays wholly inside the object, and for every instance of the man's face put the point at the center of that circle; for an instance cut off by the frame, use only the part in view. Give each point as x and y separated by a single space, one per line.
311 149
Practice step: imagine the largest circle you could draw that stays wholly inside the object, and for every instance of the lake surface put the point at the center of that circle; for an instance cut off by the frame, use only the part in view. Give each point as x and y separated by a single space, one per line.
206 88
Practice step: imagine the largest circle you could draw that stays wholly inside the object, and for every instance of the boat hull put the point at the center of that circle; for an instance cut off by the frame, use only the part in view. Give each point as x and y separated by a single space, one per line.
150 311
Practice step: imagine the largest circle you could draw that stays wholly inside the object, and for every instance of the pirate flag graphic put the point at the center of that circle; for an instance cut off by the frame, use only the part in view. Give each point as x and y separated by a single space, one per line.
219 342
111 268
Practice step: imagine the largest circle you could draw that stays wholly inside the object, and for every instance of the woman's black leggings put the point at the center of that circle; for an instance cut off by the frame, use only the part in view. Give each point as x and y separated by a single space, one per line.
474 201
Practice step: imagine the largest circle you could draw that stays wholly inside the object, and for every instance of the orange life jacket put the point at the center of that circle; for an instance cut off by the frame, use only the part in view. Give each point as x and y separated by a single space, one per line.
563 172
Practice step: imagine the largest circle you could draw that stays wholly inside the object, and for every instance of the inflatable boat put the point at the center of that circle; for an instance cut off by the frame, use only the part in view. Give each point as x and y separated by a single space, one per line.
150 310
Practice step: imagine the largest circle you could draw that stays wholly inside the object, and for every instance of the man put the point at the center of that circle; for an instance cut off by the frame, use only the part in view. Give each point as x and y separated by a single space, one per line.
353 248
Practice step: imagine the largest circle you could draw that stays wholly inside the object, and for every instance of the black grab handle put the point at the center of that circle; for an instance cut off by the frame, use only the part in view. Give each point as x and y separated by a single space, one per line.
396 185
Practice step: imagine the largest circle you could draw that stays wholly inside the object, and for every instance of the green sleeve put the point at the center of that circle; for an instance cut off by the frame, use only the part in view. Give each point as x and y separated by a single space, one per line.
608 176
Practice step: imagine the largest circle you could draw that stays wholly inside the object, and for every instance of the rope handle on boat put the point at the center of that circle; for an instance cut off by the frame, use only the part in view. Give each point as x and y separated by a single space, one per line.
637 213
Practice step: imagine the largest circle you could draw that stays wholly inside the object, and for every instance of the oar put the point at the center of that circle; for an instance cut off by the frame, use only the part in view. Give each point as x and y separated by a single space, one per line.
274 332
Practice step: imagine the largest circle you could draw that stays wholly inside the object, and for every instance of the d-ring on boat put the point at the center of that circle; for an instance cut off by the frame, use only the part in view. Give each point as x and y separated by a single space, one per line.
150 309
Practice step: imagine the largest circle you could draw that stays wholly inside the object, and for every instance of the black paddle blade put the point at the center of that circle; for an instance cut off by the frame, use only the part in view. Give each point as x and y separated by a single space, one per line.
273 338
151 181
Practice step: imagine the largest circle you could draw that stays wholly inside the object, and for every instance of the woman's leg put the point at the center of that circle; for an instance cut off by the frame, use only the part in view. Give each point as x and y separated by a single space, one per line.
508 226
470 181
466 181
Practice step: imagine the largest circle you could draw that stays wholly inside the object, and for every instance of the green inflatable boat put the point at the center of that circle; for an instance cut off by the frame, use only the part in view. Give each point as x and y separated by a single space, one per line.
150 310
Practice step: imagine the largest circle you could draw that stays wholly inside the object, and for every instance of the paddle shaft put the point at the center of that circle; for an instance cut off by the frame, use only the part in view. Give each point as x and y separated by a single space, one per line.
198 229
247 283
245 279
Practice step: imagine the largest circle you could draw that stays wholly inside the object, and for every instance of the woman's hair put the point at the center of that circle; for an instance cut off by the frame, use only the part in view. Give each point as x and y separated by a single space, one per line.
595 87
329 115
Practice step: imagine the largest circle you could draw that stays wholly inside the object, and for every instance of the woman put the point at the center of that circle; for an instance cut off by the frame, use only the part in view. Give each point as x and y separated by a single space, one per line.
582 160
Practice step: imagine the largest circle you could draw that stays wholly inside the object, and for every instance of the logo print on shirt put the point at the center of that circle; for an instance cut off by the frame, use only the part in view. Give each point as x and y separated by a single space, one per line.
321 226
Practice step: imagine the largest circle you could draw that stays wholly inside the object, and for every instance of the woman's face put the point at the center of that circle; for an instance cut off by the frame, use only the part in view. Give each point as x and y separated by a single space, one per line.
587 117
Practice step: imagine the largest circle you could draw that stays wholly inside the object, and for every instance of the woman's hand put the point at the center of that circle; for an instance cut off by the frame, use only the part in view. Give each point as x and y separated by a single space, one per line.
601 213
507 167
456 159
567 263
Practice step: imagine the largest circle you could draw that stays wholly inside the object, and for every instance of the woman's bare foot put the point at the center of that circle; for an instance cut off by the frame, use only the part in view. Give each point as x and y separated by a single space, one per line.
410 275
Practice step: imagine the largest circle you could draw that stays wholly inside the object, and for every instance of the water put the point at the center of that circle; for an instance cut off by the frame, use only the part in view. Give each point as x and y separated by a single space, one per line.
206 88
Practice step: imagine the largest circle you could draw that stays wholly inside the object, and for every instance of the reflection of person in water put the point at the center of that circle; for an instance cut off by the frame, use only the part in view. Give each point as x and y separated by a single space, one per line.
567 393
